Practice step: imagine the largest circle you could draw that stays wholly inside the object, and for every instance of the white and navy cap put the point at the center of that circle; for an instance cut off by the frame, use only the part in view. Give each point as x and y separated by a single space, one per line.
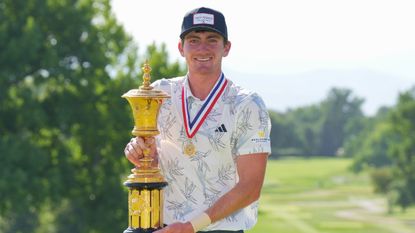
204 19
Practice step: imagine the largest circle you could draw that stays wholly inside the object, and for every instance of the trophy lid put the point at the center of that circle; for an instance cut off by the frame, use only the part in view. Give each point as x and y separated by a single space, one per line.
145 90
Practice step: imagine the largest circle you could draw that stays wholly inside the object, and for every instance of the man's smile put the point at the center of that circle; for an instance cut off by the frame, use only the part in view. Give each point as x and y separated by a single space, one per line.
203 59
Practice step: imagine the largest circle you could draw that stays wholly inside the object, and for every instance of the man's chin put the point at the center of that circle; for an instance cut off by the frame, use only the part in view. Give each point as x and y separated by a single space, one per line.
204 69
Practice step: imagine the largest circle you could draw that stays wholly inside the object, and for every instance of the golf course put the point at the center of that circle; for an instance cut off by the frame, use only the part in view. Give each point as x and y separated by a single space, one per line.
322 195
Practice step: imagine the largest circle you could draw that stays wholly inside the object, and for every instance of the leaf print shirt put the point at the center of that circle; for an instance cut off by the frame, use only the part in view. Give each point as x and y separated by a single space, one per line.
238 124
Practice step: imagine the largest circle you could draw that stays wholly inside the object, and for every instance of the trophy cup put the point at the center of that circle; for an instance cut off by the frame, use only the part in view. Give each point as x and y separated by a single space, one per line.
145 184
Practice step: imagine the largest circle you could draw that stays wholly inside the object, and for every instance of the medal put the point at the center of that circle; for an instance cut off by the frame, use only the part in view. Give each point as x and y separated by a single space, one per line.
189 149
192 126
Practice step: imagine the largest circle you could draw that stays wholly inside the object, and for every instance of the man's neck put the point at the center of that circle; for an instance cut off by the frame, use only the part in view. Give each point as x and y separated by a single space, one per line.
201 85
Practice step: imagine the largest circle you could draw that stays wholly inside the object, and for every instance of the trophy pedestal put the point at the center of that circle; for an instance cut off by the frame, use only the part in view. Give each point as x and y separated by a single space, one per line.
145 200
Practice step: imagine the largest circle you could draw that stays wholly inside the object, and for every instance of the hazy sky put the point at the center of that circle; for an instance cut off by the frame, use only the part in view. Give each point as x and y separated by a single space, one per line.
297 49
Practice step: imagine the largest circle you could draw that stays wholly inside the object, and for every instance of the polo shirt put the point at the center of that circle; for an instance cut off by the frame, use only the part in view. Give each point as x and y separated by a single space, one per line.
238 124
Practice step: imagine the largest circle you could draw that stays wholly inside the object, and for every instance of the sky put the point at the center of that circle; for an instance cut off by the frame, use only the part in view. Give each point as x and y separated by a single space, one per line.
293 52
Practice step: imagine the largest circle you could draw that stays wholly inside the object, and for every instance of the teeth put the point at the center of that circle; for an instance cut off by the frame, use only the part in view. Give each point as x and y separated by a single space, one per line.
203 59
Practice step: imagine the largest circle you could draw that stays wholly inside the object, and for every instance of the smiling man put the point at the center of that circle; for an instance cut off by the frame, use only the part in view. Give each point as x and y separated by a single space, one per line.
214 137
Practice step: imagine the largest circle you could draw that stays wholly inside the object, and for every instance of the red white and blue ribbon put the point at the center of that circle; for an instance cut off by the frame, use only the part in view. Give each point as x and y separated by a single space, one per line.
192 126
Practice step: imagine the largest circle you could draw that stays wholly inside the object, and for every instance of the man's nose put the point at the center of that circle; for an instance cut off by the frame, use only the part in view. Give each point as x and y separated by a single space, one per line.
203 46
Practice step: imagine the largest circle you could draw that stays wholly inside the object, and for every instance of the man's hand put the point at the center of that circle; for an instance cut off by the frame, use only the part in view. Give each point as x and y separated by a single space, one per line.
134 150
177 227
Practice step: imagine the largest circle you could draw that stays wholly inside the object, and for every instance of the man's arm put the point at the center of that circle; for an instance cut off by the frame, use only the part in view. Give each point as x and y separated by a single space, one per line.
251 171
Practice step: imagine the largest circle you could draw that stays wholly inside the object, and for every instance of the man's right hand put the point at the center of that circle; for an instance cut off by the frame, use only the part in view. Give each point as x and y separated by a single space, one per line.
134 149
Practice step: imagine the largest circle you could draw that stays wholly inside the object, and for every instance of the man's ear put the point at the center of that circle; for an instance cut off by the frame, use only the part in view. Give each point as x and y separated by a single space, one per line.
228 46
180 47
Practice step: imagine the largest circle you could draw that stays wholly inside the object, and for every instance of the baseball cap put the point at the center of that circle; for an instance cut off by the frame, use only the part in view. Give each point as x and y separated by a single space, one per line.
204 19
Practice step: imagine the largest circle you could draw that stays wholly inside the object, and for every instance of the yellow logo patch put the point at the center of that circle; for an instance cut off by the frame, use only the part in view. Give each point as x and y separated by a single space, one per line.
261 134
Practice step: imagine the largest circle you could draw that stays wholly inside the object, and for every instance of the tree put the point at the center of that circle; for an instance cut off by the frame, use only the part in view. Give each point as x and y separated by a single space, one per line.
63 66
307 121
284 141
159 62
403 152
371 147
319 129
341 119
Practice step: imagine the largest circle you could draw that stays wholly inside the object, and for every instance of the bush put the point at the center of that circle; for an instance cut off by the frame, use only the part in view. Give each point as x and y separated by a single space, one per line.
381 179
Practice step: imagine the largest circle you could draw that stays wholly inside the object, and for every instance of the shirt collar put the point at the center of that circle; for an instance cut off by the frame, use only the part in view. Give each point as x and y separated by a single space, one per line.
189 91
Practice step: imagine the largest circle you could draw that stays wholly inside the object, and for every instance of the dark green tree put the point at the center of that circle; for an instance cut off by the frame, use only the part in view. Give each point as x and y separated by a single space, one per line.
307 121
403 152
284 140
371 147
319 129
63 126
160 64
342 117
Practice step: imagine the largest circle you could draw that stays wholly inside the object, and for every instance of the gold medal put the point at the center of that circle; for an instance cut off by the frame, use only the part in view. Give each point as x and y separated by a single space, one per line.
189 149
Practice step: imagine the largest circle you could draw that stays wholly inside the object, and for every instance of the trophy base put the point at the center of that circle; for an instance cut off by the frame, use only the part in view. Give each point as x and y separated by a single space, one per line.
145 205
141 230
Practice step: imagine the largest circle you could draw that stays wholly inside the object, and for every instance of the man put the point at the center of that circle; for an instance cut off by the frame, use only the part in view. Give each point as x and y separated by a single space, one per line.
214 137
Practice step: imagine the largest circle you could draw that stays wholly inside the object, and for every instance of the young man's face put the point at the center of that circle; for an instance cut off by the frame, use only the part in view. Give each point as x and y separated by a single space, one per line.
204 51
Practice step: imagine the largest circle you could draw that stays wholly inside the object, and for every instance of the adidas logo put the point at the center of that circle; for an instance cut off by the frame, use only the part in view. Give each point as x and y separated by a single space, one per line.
221 128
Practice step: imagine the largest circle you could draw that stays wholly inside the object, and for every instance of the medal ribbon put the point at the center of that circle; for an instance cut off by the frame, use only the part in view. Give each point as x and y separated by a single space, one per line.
192 126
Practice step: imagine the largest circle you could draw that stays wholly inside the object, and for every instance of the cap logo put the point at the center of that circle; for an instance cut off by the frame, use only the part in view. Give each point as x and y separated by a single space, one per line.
203 18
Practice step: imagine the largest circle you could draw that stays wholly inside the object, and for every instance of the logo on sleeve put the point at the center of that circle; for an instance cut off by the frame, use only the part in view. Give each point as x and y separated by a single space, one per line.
261 137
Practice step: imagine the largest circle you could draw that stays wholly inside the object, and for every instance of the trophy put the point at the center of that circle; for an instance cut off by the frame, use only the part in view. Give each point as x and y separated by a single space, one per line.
145 184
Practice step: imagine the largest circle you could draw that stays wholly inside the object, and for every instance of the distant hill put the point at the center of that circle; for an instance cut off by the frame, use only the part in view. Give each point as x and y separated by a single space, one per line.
281 92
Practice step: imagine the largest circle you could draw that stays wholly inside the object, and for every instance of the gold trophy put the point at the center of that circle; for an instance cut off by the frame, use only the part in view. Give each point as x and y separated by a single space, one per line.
145 184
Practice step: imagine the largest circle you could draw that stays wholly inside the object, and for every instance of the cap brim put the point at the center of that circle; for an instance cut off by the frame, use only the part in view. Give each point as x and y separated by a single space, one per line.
204 28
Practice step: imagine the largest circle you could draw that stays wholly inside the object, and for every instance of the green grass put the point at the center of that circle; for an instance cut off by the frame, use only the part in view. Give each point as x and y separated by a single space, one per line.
321 195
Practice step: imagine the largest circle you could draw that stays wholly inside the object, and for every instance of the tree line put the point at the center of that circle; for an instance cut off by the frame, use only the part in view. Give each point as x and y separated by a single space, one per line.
383 144
63 126
320 129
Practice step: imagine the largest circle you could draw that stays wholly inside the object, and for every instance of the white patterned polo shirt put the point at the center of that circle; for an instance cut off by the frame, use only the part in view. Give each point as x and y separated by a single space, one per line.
238 124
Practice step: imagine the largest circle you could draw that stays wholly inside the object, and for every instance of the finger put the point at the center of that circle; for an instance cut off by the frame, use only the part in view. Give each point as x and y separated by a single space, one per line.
133 159
140 144
150 140
139 141
151 144
132 151
136 149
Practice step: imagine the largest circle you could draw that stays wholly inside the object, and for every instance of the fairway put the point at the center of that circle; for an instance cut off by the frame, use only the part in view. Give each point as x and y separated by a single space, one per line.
322 196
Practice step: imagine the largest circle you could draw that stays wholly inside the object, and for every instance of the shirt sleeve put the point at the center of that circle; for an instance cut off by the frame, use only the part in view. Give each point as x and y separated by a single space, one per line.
253 127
